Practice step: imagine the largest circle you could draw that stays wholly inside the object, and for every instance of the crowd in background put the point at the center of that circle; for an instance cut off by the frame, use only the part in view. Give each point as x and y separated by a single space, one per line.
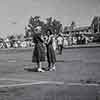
16 44
77 40
25 43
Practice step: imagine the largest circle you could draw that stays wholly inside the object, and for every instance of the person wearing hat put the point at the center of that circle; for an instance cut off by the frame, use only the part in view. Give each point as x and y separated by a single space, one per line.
39 50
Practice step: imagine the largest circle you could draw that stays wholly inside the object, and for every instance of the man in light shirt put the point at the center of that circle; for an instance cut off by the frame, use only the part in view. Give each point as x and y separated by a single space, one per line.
60 43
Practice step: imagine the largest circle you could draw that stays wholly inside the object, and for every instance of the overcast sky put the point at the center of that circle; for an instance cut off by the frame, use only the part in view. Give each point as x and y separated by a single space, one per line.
14 14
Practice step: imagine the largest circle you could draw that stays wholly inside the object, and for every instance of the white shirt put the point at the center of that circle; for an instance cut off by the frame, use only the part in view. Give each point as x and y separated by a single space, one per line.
60 40
54 43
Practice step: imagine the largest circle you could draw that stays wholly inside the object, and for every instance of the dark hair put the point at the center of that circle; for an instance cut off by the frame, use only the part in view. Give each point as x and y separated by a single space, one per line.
59 34
49 31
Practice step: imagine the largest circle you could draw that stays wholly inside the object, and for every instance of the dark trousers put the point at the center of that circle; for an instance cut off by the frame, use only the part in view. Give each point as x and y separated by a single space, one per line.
51 57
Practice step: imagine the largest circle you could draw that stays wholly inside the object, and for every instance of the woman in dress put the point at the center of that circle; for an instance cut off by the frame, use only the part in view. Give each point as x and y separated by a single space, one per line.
39 50
51 57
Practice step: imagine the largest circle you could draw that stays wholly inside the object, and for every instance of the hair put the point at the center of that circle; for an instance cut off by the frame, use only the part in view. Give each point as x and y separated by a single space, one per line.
59 34
49 31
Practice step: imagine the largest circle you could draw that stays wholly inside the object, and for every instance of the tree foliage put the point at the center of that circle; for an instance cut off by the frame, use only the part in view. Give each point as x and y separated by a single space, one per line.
57 26
73 25
66 29
95 25
11 37
51 23
70 27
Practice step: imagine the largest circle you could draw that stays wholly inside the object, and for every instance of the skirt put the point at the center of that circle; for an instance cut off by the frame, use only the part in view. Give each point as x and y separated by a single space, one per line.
38 53
51 57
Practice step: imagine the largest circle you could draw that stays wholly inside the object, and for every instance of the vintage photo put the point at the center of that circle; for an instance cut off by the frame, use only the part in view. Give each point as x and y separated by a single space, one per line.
49 49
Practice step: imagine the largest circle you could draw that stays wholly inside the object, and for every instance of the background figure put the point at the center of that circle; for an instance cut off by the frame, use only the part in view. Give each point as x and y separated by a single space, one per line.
54 43
39 50
51 57
60 41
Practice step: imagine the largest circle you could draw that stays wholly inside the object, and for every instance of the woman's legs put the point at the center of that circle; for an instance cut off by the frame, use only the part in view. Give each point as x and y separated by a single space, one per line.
53 61
39 67
49 65
53 67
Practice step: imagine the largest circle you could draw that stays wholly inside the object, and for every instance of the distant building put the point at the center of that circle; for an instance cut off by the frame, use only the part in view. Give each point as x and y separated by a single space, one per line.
79 30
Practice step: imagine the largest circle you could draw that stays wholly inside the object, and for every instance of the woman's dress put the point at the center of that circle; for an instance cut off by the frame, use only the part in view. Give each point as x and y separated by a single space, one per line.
39 49
50 51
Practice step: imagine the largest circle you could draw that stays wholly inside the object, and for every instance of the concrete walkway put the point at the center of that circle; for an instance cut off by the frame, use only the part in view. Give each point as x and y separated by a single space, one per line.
92 45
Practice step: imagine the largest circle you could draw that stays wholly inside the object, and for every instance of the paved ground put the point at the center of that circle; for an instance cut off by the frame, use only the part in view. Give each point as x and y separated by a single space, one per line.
67 83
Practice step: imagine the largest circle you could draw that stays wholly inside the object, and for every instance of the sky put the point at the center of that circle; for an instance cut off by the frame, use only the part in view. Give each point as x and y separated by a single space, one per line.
14 14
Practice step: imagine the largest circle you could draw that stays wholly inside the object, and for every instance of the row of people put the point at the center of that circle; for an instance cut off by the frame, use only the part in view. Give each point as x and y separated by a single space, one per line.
16 44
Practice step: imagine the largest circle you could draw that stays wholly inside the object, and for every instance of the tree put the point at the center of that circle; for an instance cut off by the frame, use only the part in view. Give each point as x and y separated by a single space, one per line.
26 32
54 25
19 36
48 24
36 18
11 37
95 25
33 22
49 21
57 26
73 25
66 29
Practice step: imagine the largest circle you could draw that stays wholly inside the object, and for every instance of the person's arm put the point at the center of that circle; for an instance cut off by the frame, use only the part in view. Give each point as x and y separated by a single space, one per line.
41 39
34 40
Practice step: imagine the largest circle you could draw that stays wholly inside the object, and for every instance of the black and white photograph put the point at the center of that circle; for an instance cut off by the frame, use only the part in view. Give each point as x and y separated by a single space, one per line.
49 49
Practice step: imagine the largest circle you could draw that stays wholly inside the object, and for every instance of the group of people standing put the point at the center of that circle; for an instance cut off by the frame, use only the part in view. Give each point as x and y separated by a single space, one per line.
42 44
